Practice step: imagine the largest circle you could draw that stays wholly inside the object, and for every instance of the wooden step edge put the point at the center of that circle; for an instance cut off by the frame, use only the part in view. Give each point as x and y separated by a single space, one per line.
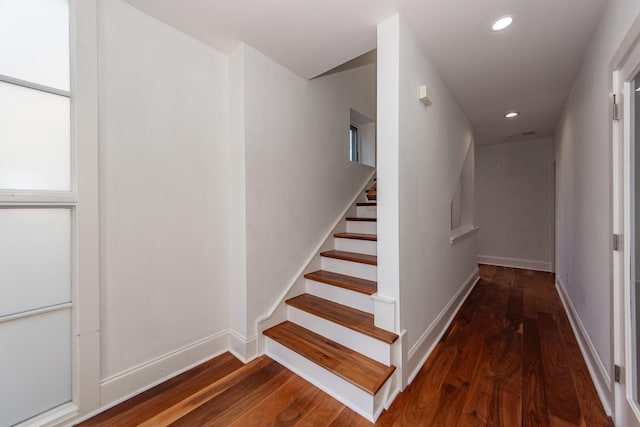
355 284
355 218
366 204
348 317
351 256
357 236
372 197
320 350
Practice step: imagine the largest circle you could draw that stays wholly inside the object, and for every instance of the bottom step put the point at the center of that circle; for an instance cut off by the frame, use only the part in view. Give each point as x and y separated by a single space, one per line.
360 383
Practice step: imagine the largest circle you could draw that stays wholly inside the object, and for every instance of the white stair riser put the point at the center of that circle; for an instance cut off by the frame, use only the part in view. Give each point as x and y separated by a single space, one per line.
363 344
354 245
349 268
370 407
367 211
339 295
365 227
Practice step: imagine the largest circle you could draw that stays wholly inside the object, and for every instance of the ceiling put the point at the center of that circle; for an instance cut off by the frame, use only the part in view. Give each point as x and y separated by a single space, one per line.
528 67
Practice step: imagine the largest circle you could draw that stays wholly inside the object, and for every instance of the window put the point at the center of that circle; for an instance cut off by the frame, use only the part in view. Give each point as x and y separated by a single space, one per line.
37 209
353 144
362 139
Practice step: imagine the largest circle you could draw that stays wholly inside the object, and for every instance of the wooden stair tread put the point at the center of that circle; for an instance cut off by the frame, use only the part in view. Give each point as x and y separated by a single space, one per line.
359 370
366 204
372 196
355 218
351 256
356 284
348 317
357 236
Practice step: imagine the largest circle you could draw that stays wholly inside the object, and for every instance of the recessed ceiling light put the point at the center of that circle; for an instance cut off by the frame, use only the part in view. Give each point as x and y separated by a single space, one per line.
512 114
502 23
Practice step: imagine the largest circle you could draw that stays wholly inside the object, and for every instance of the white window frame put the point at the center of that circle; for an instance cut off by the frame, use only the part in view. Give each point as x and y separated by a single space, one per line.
83 201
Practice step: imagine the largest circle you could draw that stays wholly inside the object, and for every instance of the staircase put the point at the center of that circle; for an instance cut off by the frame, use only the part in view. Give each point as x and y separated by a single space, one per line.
329 337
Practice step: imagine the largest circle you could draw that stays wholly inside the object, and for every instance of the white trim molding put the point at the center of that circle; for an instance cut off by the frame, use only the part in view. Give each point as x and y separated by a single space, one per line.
418 354
462 232
527 264
597 369
245 349
126 384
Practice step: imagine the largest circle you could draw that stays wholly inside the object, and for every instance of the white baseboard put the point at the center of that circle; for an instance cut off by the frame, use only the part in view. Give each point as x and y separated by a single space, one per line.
598 371
527 264
418 354
133 381
245 349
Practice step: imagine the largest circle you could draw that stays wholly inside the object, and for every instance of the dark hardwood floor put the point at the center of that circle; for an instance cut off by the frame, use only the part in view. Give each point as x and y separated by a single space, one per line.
509 359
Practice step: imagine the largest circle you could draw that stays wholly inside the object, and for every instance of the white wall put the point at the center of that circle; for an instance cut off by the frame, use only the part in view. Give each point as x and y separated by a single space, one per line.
583 155
164 229
424 148
298 175
514 204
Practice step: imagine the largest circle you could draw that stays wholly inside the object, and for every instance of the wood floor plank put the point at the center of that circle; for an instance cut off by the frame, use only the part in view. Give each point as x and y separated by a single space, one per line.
562 402
205 394
323 412
144 406
237 399
534 400
418 404
284 406
587 395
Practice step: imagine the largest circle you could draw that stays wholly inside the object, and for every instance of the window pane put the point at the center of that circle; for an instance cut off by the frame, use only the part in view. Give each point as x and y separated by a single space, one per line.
35 149
34 41
35 258
35 365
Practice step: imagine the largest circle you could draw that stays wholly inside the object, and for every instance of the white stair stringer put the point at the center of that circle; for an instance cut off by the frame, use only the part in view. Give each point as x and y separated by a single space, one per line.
367 247
357 300
363 344
350 268
367 405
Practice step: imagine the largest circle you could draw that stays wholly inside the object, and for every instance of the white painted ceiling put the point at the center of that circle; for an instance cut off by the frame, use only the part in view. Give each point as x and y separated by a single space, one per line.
529 67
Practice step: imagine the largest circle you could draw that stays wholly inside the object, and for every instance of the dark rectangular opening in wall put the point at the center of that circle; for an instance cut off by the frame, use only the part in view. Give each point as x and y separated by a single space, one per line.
353 144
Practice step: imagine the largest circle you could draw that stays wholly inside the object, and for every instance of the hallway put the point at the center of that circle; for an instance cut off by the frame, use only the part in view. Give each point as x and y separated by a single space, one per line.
509 358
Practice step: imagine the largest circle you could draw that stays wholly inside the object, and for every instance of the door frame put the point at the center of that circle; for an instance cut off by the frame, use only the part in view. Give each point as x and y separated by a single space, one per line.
624 66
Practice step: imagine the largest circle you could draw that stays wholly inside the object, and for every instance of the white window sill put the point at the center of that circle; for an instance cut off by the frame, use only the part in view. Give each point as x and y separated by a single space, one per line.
462 232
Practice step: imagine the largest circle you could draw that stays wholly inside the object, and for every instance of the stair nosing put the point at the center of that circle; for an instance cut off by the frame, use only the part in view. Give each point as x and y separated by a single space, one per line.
293 302
357 236
389 370
350 256
337 283
362 219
